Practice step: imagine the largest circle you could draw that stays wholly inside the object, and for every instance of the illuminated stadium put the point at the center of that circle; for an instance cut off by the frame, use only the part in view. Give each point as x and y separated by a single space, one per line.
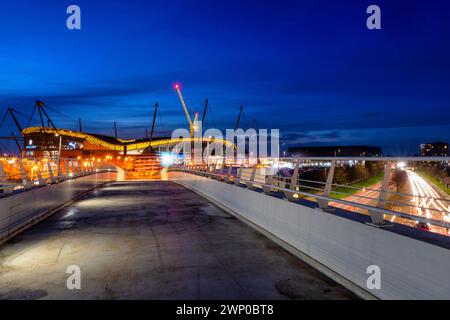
39 141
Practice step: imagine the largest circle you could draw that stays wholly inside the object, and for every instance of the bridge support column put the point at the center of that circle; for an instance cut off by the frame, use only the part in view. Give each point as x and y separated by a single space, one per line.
292 196
378 217
251 182
323 204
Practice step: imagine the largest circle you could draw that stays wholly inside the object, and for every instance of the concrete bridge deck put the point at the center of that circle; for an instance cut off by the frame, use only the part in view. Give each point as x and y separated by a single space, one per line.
153 240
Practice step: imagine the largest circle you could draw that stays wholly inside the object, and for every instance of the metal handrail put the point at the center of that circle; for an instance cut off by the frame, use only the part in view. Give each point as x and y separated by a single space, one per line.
356 188
328 199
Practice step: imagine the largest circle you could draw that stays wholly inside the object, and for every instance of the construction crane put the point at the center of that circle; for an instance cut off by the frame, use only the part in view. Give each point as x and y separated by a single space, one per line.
204 112
153 122
115 129
192 124
239 118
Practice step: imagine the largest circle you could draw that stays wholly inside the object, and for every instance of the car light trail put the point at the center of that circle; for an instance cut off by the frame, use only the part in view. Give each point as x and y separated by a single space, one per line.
426 199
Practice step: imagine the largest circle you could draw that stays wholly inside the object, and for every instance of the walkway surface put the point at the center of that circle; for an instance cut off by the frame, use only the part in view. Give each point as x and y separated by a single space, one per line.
153 240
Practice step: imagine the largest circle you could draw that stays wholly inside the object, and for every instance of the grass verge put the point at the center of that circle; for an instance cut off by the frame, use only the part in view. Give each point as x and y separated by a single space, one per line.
349 190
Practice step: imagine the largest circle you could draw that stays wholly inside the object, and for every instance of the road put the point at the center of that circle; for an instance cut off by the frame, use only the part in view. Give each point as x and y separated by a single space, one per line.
367 196
154 240
426 200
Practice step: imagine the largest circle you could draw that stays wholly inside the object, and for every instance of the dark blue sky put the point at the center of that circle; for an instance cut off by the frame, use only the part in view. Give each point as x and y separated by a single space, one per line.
310 68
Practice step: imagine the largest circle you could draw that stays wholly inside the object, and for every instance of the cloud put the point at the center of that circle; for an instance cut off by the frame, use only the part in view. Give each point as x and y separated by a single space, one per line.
311 137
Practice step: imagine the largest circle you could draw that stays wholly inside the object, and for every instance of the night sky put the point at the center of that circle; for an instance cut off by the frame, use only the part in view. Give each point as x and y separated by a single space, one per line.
310 68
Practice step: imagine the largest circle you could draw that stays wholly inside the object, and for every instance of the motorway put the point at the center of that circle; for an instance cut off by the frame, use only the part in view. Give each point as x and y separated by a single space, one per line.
154 240
426 201
367 196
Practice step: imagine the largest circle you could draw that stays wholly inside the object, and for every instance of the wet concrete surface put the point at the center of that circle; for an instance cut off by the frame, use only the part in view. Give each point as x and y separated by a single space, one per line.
154 240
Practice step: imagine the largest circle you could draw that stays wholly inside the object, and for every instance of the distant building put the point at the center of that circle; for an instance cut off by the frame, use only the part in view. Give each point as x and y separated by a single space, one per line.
435 149
335 151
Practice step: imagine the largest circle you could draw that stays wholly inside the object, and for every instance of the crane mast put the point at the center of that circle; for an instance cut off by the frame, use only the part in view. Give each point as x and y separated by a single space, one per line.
186 112
192 124
239 118
204 112
153 122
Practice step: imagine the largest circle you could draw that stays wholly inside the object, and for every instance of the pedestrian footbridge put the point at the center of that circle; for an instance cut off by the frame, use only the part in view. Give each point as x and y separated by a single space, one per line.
221 230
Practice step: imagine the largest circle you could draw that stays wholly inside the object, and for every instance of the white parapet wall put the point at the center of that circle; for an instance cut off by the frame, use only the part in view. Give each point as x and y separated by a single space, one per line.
19 211
341 248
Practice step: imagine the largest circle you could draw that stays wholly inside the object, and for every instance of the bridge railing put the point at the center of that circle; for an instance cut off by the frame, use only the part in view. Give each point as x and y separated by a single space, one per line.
17 173
387 189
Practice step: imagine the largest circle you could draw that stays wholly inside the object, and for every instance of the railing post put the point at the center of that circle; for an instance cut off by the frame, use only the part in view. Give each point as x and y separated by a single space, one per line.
323 204
4 180
23 175
378 217
222 166
67 169
80 169
60 173
50 172
41 180
251 182
293 185
3 177
239 174
228 176
214 170
268 181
